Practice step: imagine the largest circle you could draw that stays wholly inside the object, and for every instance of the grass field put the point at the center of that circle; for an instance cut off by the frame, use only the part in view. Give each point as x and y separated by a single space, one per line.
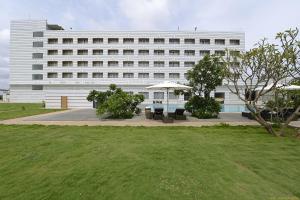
56 162
15 110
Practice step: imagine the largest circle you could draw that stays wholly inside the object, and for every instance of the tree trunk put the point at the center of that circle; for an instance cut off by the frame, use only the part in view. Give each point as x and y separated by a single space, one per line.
206 95
288 121
265 124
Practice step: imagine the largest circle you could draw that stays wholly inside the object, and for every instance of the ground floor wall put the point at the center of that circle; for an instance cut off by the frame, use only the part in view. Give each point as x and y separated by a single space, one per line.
75 95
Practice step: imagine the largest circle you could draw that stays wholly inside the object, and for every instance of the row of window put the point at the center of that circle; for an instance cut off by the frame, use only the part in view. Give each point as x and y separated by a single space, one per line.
114 64
109 75
156 95
140 52
143 41
140 40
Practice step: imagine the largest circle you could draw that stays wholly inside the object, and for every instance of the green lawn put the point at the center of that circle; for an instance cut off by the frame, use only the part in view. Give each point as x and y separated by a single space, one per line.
113 163
15 110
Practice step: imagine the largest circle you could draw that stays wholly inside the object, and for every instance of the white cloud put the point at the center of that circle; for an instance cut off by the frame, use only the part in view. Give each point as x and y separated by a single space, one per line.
146 14
68 16
4 35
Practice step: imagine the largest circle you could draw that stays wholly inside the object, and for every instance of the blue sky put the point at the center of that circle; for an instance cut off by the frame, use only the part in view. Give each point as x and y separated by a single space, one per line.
257 18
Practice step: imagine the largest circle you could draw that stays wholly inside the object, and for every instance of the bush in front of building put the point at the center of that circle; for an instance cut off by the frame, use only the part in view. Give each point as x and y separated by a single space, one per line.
203 108
115 103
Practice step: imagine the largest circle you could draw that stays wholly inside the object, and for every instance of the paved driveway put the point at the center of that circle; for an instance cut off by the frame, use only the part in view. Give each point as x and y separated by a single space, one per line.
71 115
90 115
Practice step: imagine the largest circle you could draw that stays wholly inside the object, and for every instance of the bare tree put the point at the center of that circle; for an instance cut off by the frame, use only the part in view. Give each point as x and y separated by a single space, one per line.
258 72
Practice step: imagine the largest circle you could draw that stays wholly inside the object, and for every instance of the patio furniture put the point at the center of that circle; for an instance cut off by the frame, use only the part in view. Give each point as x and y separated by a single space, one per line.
247 114
158 113
179 114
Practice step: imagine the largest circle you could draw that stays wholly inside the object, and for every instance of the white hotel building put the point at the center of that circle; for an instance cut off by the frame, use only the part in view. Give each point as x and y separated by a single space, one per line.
60 67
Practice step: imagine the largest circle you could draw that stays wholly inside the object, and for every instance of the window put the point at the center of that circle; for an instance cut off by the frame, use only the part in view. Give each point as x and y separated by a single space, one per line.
82 63
174 52
52 75
189 64
52 52
128 63
67 75
113 52
204 41
174 64
128 40
220 53
37 67
220 97
97 40
97 63
234 42
128 75
174 40
174 75
38 34
189 52
112 75
67 40
143 52
234 53
37 87
172 95
37 44
159 75
143 40
37 76
52 63
113 40
189 41
204 52
145 94
143 63
67 63
219 41
159 40
128 52
37 55
97 75
158 95
113 63
67 52
52 40
82 75
82 52
186 96
82 40
185 75
159 52
143 75
159 63
97 52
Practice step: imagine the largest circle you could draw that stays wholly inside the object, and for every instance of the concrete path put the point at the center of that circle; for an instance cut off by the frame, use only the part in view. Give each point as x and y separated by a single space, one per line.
81 117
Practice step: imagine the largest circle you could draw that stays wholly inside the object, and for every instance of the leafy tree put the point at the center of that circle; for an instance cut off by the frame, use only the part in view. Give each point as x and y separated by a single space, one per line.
259 73
204 78
115 102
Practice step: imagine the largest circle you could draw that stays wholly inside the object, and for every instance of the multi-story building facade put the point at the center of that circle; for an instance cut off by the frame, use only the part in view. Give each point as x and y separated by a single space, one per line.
53 65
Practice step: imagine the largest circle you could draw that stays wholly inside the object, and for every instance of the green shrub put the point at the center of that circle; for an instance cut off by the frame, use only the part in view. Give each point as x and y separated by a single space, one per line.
203 108
116 103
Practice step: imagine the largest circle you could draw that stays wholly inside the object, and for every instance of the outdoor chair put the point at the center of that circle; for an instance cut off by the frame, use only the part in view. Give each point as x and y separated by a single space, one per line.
179 114
158 113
